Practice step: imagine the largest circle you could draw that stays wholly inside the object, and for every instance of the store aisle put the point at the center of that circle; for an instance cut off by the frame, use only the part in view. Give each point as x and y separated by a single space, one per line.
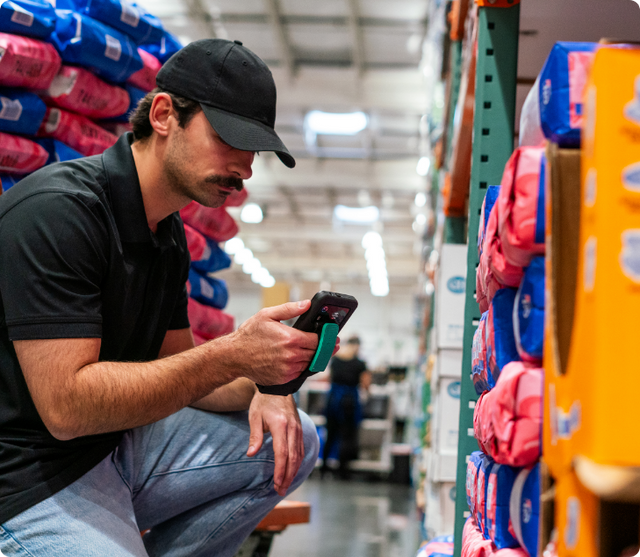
354 519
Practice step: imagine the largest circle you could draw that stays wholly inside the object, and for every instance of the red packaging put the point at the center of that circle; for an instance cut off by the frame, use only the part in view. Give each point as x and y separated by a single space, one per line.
26 62
81 91
19 155
76 131
482 423
474 544
145 78
236 198
207 322
196 243
214 223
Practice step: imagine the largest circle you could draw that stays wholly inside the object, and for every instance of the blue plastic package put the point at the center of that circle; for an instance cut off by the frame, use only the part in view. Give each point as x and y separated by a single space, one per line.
214 259
501 480
488 202
501 342
7 182
33 18
524 509
58 151
126 17
528 318
479 369
21 112
486 463
87 42
135 96
561 87
208 290
164 48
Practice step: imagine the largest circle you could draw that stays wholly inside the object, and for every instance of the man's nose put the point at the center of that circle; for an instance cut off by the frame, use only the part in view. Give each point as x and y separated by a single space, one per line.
240 164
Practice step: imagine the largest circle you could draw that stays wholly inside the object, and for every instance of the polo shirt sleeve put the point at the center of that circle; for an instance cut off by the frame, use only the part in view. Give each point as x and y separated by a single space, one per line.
180 319
53 248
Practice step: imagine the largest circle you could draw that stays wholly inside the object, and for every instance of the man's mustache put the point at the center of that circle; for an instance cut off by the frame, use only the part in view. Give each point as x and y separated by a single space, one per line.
225 181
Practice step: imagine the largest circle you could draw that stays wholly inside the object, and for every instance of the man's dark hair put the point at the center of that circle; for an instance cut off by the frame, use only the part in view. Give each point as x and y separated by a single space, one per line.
139 119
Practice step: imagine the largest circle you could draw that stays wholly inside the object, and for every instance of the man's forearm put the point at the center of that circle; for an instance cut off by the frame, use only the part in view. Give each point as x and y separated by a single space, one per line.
233 397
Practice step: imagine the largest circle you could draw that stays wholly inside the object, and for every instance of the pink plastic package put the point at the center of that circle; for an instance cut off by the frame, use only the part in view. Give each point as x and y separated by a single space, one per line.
19 155
516 407
214 223
521 206
76 131
482 423
208 322
474 545
196 243
26 62
79 90
145 78
236 198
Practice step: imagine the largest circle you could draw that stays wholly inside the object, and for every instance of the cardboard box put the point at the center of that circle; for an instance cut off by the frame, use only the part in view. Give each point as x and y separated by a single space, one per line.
448 364
450 295
576 518
443 467
440 508
446 416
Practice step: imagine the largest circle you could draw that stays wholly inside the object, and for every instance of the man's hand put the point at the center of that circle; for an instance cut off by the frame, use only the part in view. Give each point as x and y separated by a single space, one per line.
272 353
279 416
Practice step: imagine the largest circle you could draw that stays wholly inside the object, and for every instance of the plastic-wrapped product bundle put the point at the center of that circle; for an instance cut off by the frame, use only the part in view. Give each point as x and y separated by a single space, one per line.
528 317
58 151
521 206
33 18
164 48
501 343
501 480
21 112
441 546
208 322
126 17
135 95
76 131
486 463
561 89
145 78
208 290
525 509
214 223
475 545
530 125
471 484
483 423
78 90
480 375
196 243
212 259
236 198
7 182
26 62
86 42
488 202
19 155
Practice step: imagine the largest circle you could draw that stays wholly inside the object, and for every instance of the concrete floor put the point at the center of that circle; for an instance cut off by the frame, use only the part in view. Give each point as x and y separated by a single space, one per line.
355 518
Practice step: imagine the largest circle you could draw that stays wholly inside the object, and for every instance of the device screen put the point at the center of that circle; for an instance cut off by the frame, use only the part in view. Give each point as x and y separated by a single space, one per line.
334 313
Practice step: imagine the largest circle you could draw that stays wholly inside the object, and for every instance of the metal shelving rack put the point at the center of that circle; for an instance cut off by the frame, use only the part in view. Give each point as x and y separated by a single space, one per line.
496 75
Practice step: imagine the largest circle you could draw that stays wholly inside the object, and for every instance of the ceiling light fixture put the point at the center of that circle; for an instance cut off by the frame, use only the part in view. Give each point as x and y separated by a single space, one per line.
233 246
357 215
423 166
420 200
332 123
249 267
244 255
371 239
251 213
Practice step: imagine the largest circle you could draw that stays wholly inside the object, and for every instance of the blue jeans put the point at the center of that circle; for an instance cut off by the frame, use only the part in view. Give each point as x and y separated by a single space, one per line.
186 477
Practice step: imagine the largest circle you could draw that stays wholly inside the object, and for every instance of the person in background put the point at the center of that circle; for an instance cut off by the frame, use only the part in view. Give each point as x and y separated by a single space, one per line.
344 412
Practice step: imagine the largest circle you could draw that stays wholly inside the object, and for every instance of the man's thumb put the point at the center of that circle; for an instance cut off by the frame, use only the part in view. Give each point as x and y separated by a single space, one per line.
288 310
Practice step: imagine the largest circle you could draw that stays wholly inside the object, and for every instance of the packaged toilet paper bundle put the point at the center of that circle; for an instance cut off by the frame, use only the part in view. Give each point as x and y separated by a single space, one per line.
27 62
486 463
208 290
196 243
483 423
58 151
528 322
76 131
482 380
475 545
145 78
501 480
521 206
501 343
525 509
208 322
21 112
214 223
7 182
440 546
19 155
79 90
212 259
31 18
471 483
488 202
164 48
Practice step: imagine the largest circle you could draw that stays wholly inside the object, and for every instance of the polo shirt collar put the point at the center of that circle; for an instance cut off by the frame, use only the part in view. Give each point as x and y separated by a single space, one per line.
126 197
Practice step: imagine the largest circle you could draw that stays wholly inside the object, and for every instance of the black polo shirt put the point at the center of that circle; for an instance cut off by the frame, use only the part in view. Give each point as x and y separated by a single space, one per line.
78 260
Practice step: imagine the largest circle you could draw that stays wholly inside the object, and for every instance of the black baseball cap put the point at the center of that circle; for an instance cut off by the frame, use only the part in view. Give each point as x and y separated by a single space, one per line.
235 89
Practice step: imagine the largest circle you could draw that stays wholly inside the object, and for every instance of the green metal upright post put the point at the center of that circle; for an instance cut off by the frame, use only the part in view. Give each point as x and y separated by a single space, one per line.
493 128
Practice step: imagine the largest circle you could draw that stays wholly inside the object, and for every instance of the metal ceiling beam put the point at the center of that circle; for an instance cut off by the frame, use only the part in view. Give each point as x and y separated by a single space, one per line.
282 38
210 25
357 41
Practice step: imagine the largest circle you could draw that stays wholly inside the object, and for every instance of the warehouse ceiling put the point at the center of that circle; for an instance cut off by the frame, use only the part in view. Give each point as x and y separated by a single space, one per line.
357 55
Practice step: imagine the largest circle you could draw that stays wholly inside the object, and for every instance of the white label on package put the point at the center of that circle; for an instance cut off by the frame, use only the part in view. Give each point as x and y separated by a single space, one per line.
631 177
630 254
590 264
11 110
572 531
114 49
2 51
129 15
206 289
53 121
590 188
20 15
632 108
63 84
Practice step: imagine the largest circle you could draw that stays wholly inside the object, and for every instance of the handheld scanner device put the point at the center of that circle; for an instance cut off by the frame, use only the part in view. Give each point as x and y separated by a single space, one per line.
327 315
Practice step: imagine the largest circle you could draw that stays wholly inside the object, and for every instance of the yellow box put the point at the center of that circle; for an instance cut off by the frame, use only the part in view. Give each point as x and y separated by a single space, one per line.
577 518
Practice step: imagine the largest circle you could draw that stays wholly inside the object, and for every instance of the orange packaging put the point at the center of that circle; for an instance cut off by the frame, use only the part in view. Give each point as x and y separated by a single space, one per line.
497 3
577 518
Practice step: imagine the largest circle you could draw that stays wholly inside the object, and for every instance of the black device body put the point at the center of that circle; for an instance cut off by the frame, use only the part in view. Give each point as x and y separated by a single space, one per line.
326 307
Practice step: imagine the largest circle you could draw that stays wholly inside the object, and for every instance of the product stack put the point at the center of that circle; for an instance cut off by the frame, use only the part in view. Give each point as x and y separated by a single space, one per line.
71 72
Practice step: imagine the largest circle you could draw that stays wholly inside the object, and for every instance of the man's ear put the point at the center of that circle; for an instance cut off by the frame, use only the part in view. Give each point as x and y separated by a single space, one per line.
160 114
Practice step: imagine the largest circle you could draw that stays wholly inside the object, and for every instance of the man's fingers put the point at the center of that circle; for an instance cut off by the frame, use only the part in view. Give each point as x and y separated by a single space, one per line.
280 452
287 311
256 434
295 456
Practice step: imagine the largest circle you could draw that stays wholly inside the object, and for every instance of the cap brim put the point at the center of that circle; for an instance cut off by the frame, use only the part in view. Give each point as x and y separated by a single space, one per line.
246 134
